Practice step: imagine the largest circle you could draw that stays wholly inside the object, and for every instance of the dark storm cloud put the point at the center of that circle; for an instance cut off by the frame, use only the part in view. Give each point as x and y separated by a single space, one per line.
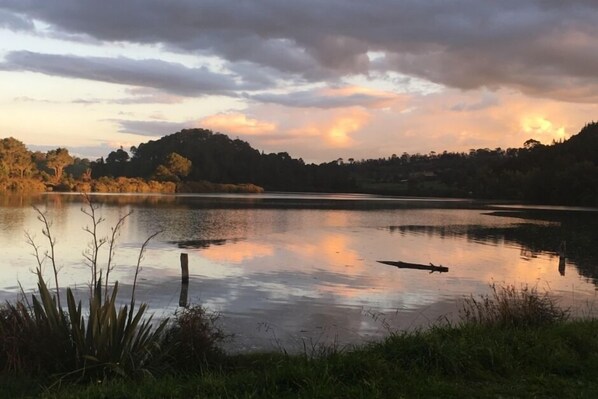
170 77
14 22
542 47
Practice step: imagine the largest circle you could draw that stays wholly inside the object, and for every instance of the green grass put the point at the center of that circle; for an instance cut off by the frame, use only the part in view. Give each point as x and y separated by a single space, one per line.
471 360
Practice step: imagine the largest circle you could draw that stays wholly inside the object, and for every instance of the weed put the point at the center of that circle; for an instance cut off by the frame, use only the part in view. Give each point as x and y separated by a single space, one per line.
509 306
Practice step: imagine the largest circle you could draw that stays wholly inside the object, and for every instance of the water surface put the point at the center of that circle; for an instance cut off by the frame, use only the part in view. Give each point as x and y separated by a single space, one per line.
299 270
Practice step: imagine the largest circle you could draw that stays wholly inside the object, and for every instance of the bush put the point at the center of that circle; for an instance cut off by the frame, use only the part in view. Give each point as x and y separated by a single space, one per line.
509 306
192 339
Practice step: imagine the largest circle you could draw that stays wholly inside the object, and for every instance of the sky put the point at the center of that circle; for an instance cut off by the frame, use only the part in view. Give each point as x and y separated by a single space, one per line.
318 79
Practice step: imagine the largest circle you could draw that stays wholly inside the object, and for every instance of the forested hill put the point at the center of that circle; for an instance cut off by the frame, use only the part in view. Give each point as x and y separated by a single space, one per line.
560 173
198 154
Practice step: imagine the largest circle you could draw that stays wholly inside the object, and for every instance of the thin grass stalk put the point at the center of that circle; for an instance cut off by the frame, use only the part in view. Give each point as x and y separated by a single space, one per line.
111 248
137 270
46 231
96 241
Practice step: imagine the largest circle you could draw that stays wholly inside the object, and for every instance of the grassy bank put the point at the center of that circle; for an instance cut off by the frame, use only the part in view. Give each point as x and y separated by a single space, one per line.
471 360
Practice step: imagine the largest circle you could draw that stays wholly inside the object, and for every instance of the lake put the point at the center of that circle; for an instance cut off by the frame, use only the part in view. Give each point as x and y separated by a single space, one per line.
296 271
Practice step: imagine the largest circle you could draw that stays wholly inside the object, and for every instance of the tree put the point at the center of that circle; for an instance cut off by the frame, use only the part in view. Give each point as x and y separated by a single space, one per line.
57 160
531 143
178 165
174 168
15 158
118 156
79 169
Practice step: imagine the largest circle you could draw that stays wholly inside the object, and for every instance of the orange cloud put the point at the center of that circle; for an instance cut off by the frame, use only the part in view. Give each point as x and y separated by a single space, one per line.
454 120
540 126
237 123
338 133
337 128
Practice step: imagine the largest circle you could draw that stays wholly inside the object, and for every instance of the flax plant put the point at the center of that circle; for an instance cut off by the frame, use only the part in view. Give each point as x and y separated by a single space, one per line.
99 341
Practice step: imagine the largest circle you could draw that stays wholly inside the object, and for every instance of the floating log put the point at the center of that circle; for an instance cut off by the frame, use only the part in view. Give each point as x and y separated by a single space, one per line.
404 265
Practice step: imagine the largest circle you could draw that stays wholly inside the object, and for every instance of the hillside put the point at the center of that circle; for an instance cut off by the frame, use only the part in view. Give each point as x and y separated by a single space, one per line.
560 173
216 158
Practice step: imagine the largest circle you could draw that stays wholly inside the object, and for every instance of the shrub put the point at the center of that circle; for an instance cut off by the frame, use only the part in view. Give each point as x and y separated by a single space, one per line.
510 306
192 339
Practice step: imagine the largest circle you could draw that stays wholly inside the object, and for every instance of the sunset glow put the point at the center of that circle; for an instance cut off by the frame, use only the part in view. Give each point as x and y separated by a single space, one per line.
367 84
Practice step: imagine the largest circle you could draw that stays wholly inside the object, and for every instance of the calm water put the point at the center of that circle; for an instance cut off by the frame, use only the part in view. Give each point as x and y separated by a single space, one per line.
295 269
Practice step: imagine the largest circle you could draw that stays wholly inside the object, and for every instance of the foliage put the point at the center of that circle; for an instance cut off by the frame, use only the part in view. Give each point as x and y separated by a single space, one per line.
175 167
193 339
115 340
118 156
21 185
554 360
15 159
207 187
509 306
103 339
99 342
130 185
57 160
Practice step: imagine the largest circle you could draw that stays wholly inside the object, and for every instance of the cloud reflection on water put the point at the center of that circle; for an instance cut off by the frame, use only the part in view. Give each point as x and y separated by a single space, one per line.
281 276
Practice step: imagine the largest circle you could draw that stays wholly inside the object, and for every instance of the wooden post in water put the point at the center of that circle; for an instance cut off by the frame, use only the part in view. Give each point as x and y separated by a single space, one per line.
184 280
562 257
184 268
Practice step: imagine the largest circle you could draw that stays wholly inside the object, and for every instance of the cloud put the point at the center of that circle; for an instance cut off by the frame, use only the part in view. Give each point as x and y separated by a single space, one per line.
544 48
327 98
91 152
149 128
517 119
15 22
137 95
237 123
337 131
487 100
169 77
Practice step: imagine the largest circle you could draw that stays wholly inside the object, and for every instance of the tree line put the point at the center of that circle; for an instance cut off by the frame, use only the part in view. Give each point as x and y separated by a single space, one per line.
564 172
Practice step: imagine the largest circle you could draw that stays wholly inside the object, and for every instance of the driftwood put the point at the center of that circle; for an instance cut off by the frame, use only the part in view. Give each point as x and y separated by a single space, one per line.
404 265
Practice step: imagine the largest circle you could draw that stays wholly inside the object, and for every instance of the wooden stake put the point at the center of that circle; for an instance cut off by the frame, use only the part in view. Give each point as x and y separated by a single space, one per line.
184 268
183 297
184 280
